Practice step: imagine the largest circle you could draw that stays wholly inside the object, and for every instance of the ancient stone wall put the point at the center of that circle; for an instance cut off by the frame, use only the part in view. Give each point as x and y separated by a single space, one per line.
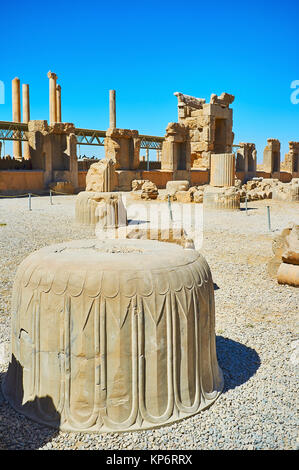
176 149
246 159
123 147
210 126
291 161
271 158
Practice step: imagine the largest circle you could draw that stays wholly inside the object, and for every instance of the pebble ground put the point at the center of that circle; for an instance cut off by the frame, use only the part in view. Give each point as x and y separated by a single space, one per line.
256 333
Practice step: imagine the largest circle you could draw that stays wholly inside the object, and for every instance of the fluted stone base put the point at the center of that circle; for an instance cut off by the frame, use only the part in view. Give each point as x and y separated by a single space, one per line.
112 335
221 198
289 193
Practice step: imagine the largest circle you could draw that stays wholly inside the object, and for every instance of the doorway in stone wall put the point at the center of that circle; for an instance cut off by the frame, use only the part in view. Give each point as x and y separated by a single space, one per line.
220 136
181 155
131 153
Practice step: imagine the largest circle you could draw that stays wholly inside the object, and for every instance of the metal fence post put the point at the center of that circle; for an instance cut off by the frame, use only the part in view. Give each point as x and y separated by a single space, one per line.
29 201
51 202
169 207
269 221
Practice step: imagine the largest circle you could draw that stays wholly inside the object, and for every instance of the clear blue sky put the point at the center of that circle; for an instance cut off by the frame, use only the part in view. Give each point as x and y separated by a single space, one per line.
148 50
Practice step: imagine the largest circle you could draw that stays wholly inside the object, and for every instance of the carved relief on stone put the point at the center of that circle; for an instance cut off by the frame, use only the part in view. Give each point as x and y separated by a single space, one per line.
189 100
223 100
113 335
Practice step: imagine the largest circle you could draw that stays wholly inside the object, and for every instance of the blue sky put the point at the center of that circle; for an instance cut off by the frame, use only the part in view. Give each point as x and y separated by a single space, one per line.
148 50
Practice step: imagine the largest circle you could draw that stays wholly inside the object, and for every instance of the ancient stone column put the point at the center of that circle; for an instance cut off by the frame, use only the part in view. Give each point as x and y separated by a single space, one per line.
52 97
26 116
16 116
58 103
112 109
222 169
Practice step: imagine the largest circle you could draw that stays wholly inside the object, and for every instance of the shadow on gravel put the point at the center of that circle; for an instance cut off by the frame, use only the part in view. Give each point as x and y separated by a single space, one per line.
248 208
20 433
238 362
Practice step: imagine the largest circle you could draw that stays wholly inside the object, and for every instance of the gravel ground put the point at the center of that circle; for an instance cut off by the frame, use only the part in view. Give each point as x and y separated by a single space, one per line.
256 328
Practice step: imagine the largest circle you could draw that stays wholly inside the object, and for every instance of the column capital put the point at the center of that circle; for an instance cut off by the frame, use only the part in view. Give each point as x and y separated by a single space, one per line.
51 75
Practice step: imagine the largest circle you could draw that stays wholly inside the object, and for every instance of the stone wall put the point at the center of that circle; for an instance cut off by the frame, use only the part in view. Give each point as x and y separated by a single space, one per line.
19 181
271 157
246 160
210 126
291 161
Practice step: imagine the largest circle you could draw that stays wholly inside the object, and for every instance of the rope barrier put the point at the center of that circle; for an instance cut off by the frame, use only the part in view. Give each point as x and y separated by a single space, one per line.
18 195
32 194
58 192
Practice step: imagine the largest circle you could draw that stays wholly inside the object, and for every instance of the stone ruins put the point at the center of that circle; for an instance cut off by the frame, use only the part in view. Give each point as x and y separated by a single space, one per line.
190 150
117 333
285 263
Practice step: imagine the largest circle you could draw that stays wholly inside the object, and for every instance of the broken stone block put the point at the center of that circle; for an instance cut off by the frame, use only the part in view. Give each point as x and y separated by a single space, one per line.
177 185
149 191
183 196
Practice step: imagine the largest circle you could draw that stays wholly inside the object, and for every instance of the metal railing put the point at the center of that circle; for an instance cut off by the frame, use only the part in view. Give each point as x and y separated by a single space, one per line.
18 130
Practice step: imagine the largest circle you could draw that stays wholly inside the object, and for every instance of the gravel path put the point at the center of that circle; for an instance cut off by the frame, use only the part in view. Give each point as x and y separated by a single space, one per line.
256 328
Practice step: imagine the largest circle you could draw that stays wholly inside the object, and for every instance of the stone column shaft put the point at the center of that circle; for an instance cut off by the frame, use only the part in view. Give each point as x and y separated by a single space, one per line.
112 109
26 116
222 169
52 97
16 116
58 103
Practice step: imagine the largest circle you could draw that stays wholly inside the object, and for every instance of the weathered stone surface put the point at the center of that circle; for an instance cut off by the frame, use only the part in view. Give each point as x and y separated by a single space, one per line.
177 186
271 157
101 176
288 274
291 253
169 235
222 169
183 196
149 191
123 147
198 196
291 161
223 100
209 124
176 150
137 184
221 198
112 335
286 192
285 247
103 208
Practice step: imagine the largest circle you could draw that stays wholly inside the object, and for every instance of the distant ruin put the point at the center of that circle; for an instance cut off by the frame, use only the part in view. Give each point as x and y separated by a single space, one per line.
49 150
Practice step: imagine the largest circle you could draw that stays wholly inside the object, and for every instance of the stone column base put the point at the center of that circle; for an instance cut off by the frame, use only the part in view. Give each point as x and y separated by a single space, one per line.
221 198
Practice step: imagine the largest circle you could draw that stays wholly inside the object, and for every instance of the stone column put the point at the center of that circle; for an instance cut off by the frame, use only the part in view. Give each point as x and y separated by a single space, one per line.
52 97
26 116
16 116
222 169
112 109
58 103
